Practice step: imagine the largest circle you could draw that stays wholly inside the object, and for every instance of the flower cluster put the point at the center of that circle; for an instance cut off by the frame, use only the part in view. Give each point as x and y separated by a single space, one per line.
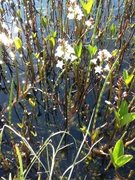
74 11
65 52
102 60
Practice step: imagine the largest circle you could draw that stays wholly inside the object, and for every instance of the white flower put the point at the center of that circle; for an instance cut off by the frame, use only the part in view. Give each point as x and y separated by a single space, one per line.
73 57
98 69
59 51
108 102
89 23
74 11
4 25
59 64
5 39
72 1
1 62
104 55
65 51
94 61
107 68
71 16
79 16
11 54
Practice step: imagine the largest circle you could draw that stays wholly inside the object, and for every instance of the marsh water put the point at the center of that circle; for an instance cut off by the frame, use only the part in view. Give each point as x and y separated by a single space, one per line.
37 122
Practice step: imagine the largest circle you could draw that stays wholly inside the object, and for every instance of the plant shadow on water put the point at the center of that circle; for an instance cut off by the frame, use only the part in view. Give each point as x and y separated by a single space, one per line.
67 89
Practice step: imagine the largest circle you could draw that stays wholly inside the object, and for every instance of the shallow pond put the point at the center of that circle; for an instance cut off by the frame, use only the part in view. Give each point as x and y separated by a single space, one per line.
48 110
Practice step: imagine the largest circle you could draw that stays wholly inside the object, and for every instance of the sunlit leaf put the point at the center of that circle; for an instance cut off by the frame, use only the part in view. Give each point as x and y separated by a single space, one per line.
122 160
33 133
92 50
133 115
113 30
18 43
87 6
32 102
127 78
127 118
18 13
44 21
54 33
78 50
123 108
34 35
115 52
52 41
118 149
20 125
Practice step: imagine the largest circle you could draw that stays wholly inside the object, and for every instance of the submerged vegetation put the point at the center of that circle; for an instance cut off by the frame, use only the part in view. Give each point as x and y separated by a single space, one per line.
67 89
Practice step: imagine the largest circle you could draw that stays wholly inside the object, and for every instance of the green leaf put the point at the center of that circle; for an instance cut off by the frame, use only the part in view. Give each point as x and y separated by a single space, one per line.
18 43
134 40
52 41
127 78
127 118
54 33
92 50
18 13
20 168
87 6
122 160
118 150
125 74
133 115
123 108
113 30
78 50
21 125
32 102
34 35
117 116
44 21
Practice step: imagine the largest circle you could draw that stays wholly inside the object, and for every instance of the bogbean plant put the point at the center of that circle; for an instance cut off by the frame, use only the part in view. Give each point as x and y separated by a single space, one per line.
71 68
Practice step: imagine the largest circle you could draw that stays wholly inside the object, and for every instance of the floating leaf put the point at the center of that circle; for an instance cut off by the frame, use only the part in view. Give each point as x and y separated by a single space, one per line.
18 43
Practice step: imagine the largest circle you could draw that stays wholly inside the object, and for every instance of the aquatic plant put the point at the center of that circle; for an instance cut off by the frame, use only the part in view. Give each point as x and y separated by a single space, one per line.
67 81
